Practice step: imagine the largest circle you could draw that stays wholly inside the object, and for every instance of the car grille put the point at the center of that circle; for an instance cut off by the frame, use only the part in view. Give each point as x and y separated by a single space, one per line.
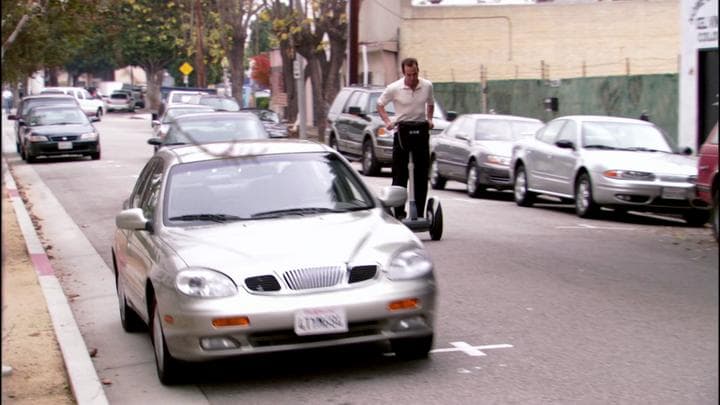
288 337
311 277
673 178
60 138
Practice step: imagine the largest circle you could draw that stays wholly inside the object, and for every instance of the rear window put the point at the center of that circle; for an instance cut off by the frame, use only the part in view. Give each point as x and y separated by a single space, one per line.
28 104
119 96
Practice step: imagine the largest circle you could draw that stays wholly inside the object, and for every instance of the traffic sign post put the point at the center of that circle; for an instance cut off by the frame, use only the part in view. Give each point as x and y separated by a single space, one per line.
186 69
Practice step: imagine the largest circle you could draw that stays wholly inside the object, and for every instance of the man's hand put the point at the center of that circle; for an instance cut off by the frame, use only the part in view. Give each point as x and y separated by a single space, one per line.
389 125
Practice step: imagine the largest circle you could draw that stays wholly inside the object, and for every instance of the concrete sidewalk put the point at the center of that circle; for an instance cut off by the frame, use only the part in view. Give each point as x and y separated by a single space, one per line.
80 372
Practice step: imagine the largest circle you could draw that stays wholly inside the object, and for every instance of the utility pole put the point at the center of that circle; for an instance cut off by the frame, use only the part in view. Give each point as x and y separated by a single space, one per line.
299 75
201 80
353 42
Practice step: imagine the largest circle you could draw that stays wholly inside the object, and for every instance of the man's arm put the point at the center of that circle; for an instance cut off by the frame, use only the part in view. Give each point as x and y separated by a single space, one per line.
429 111
384 115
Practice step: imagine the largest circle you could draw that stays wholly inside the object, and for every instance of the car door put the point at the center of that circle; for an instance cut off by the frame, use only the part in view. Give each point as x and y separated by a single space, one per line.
442 145
141 251
459 148
344 123
561 161
80 97
358 122
538 156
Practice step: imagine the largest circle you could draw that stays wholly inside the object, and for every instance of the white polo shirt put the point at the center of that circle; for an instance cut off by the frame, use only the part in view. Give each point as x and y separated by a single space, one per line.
409 104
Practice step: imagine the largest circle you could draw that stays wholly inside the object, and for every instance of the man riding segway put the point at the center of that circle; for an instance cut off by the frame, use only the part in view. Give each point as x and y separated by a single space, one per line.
412 98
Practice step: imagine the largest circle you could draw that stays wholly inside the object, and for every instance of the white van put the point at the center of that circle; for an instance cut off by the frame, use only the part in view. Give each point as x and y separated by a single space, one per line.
90 105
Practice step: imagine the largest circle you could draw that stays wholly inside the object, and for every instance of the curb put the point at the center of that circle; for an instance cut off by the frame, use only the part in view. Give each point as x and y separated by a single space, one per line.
84 382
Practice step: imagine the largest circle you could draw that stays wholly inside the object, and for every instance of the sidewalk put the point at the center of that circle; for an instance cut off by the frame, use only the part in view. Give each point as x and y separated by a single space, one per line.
40 338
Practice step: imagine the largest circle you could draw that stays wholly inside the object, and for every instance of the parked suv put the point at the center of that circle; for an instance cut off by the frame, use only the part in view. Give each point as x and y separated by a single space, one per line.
356 129
707 180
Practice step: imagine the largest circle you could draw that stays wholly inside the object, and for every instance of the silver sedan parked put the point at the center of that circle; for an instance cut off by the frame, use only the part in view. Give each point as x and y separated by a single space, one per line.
597 161
229 249
475 149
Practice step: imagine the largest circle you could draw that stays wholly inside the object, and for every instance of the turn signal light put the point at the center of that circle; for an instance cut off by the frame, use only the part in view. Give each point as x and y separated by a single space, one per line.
232 321
408 303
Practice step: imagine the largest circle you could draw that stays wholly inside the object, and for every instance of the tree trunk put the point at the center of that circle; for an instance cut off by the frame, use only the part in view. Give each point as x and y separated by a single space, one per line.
154 76
237 73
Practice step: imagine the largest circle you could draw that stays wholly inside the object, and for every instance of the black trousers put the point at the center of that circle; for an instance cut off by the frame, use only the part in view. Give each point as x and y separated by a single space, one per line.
412 136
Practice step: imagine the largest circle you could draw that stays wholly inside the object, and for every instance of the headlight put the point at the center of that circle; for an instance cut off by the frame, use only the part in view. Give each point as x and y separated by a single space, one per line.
498 160
409 264
204 283
38 138
90 136
381 131
629 175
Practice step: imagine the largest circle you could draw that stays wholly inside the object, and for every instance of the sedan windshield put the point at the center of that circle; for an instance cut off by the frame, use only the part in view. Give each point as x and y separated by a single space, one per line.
503 130
66 116
624 136
255 188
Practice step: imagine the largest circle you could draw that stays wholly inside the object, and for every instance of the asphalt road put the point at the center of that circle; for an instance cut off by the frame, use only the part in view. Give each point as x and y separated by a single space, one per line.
535 304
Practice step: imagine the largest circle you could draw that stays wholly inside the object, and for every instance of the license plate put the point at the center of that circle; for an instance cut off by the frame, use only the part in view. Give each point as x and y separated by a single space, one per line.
64 145
674 193
320 321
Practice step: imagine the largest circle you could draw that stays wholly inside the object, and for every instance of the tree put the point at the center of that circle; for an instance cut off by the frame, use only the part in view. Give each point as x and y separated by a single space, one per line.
261 70
149 34
235 16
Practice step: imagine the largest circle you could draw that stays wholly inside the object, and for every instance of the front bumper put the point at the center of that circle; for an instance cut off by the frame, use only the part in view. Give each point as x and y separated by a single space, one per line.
495 176
272 318
52 148
657 196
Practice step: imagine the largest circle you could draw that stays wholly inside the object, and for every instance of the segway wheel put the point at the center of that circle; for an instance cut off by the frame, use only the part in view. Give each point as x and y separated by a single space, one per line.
435 216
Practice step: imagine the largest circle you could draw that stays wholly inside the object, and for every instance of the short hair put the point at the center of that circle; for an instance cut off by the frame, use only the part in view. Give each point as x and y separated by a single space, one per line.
409 62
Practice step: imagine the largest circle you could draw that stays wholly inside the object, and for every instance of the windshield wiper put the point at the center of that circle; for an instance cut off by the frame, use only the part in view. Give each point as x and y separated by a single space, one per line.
600 147
207 217
642 149
293 211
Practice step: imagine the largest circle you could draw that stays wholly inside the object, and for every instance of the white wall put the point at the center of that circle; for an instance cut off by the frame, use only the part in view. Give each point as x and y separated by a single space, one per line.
698 32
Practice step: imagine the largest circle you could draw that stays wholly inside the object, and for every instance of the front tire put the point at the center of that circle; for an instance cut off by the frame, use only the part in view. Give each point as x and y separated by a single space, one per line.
435 216
474 189
715 215
333 142
129 319
370 165
437 182
412 348
585 205
523 196
168 368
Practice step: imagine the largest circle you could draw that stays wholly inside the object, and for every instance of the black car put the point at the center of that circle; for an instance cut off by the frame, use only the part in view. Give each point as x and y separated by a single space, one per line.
271 121
29 102
58 130
356 129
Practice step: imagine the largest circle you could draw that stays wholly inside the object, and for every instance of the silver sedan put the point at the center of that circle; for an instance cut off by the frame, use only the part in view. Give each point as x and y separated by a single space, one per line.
228 249
597 161
475 149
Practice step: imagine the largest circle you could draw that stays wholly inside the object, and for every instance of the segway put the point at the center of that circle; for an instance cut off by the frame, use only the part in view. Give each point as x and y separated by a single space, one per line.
433 220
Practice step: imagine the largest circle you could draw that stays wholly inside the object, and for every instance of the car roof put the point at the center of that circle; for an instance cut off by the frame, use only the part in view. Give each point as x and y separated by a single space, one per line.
501 117
240 148
216 114
50 95
605 118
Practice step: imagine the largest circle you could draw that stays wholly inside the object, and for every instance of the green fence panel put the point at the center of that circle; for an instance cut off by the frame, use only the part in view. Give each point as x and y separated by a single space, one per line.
622 96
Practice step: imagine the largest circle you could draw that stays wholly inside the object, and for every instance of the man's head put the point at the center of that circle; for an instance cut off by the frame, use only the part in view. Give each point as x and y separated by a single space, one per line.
410 70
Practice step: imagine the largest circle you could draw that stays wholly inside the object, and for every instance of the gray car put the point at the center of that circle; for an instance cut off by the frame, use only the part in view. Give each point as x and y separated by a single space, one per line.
356 129
475 149
231 249
600 161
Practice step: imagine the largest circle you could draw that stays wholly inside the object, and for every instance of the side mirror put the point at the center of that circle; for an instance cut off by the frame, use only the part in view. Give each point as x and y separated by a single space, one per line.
393 196
354 110
155 141
451 115
132 219
565 144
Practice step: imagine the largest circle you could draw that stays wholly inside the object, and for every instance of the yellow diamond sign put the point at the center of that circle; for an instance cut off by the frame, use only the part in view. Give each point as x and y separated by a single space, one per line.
186 69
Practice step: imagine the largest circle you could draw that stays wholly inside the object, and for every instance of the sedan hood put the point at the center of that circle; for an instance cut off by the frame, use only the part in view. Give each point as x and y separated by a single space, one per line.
260 246
654 162
74 129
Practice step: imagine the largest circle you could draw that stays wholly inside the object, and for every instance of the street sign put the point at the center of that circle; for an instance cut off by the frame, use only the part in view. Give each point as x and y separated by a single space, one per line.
186 69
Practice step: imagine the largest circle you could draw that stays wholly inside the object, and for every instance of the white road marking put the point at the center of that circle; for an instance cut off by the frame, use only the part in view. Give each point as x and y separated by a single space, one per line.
587 226
470 350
